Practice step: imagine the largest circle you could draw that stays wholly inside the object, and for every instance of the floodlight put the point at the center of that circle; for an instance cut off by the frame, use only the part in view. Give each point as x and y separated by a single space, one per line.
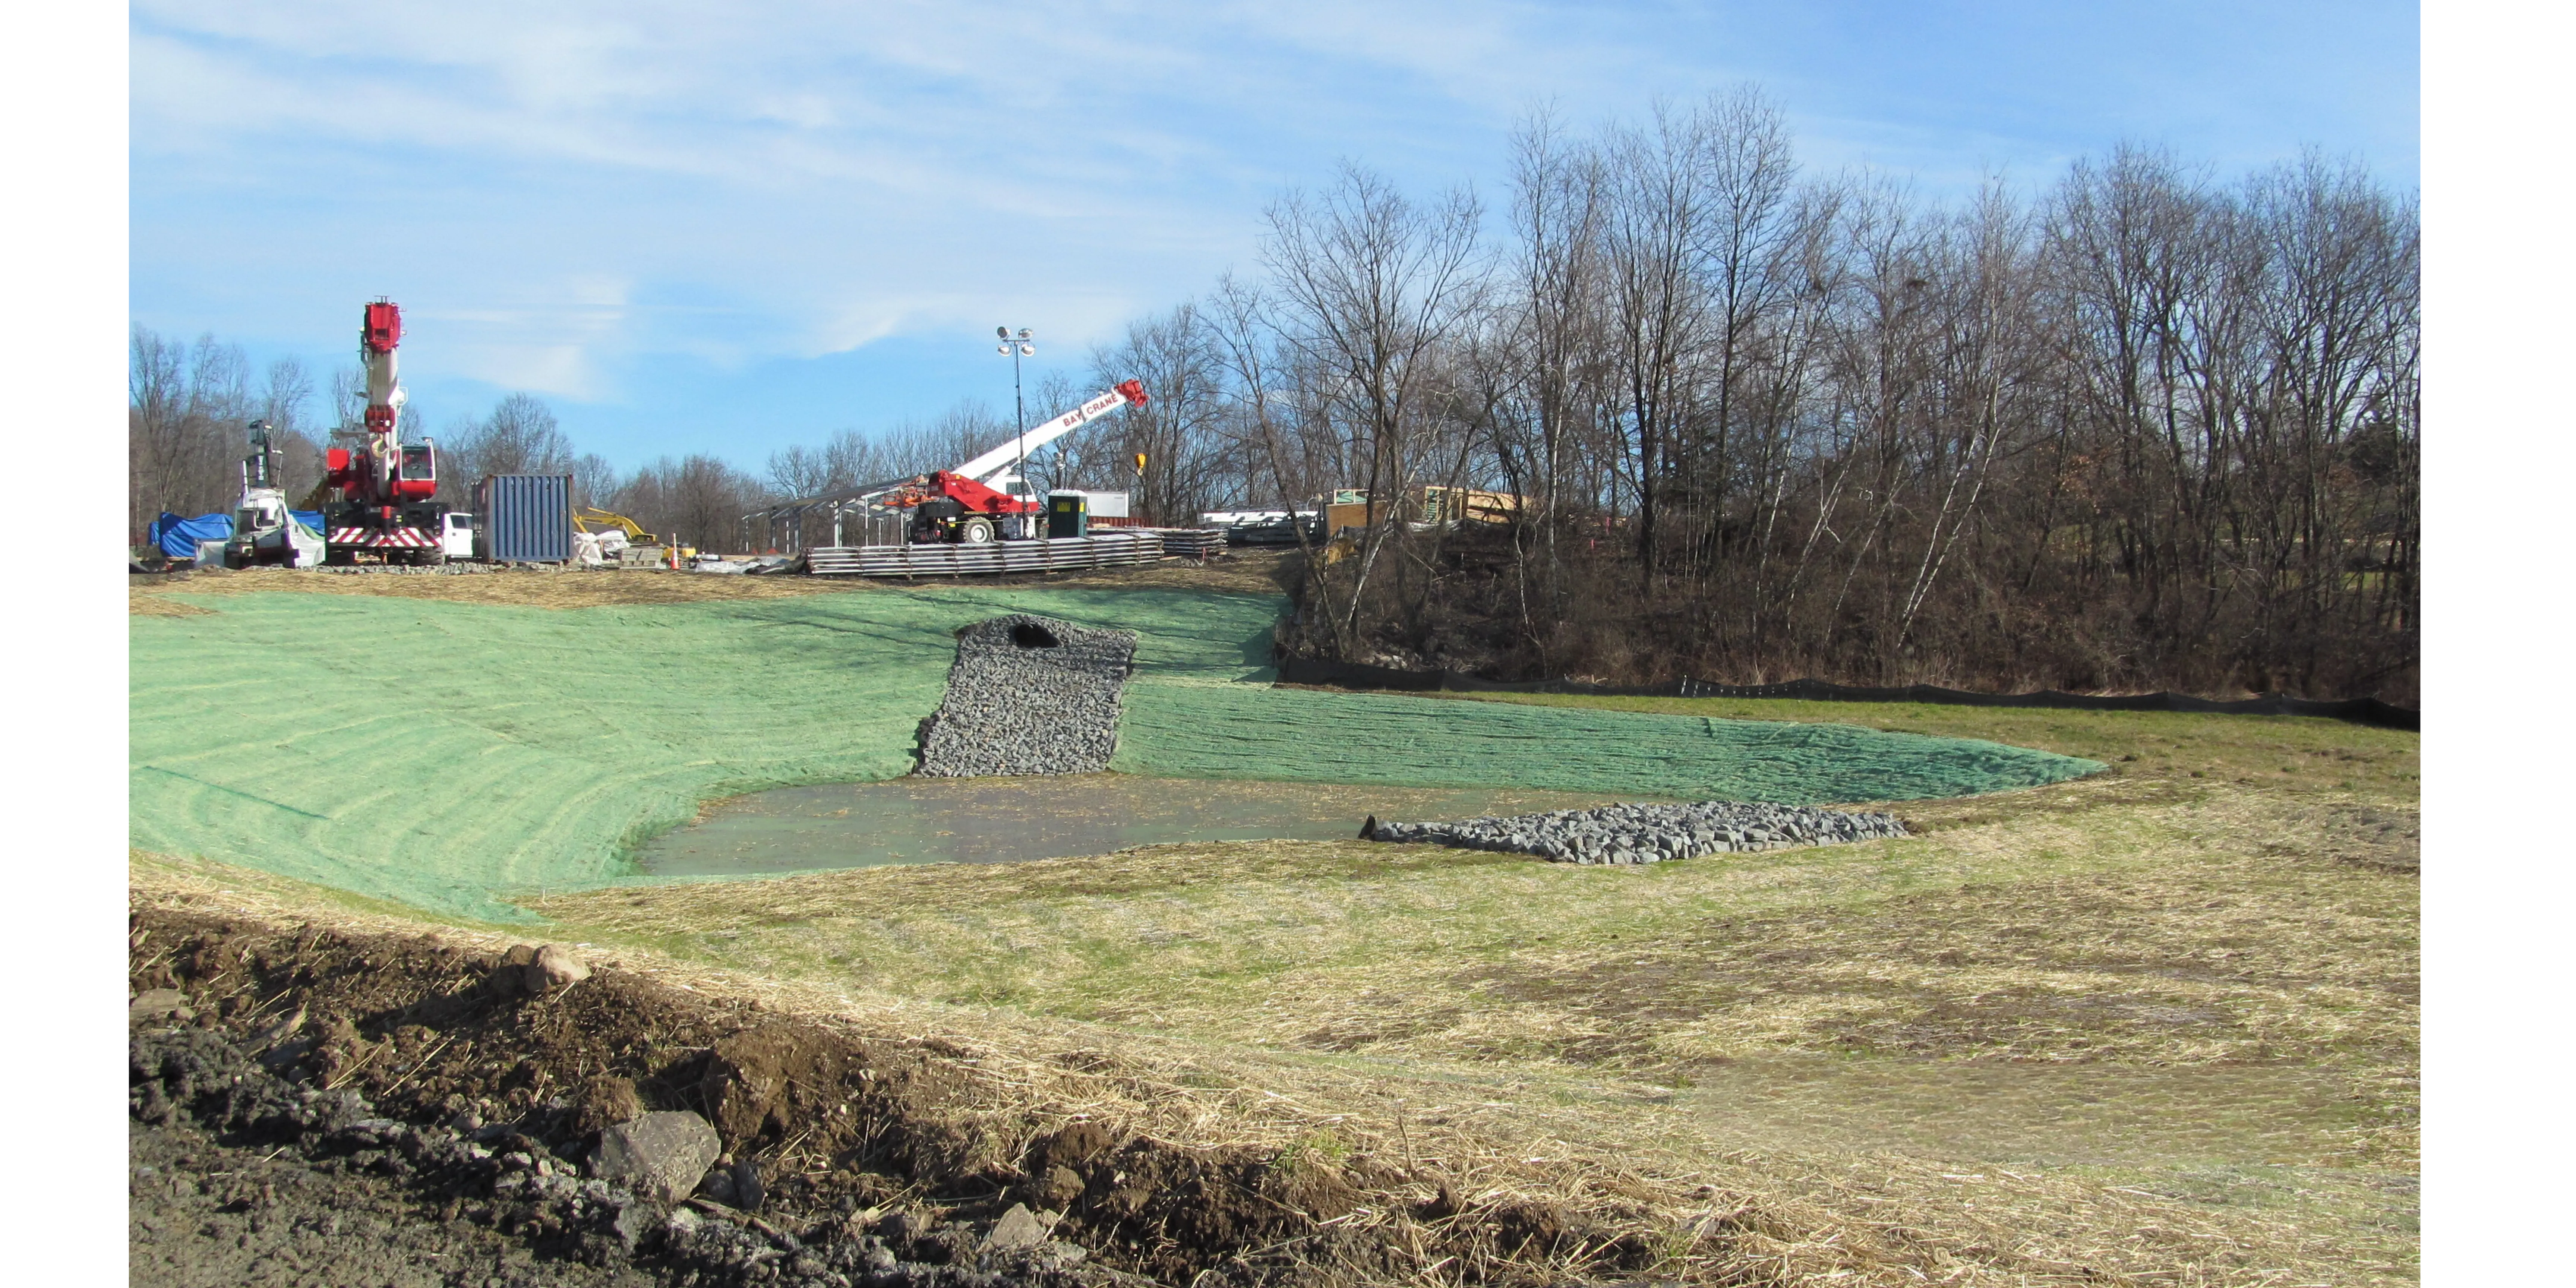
1001 348
1024 333
1028 351
1002 331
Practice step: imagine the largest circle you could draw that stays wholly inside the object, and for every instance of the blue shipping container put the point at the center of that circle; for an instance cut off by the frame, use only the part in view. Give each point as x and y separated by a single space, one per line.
523 518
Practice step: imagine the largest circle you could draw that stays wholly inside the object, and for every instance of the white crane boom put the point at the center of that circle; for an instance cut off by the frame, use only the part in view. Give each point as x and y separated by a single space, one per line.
983 468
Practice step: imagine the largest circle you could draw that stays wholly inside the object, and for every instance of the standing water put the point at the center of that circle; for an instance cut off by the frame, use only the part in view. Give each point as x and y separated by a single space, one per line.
1002 820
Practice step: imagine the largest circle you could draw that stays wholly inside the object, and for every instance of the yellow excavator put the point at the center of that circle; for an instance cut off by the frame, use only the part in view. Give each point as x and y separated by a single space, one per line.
642 544
594 519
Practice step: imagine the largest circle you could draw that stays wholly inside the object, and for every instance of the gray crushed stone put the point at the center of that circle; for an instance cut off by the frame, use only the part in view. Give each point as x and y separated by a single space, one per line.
1615 834
1029 695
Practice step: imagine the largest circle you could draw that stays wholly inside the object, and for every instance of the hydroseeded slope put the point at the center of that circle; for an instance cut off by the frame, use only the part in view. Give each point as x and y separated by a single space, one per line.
442 754
1371 738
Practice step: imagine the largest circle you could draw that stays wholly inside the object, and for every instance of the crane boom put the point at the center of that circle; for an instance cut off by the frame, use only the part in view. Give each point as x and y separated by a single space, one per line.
984 467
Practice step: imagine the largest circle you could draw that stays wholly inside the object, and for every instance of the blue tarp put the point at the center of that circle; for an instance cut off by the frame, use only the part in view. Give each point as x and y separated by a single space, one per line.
178 537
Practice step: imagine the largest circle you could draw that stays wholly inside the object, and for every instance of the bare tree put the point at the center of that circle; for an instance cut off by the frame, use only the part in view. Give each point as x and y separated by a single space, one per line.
1176 431
1368 285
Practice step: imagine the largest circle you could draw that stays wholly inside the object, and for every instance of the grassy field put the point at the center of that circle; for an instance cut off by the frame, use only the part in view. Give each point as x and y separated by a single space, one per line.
2154 1026
2175 998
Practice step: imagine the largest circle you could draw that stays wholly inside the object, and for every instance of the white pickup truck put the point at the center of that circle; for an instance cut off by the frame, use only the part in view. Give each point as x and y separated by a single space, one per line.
456 535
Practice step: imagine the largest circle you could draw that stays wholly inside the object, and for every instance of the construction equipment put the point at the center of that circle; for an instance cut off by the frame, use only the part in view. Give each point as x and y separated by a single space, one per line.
985 499
264 530
594 519
381 495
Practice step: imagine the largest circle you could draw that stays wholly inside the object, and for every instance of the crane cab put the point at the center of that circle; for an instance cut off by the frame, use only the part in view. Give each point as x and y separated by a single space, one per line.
416 472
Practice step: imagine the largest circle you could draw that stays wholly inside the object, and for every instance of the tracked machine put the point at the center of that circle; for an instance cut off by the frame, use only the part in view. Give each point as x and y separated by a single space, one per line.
380 496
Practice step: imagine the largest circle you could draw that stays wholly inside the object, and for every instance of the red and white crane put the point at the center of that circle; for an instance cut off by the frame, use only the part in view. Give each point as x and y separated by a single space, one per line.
381 495
964 504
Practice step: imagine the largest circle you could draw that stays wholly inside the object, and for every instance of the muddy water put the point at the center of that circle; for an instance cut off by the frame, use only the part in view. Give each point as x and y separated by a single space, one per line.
1001 820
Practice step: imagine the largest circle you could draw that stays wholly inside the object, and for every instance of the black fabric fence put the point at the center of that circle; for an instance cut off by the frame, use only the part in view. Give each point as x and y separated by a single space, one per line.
1352 675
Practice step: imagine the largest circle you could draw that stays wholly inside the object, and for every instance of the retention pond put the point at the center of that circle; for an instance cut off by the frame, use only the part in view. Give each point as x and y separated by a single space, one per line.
1003 820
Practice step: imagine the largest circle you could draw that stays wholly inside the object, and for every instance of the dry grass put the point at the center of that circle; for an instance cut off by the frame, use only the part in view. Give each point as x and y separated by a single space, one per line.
527 587
1633 1156
1255 572
2165 1018
140 602
2153 1027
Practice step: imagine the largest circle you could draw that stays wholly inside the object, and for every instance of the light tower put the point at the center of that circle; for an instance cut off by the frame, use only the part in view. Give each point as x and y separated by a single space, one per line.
1018 347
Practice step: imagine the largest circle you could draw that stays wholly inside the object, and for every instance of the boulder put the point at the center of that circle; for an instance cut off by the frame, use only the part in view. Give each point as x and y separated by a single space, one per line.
537 969
658 1155
555 967
1018 1228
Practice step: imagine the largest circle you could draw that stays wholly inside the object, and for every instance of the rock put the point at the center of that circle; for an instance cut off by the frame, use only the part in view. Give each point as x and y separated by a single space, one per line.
747 1189
1018 1228
153 1003
553 967
632 1222
1635 834
510 978
659 1155
1029 695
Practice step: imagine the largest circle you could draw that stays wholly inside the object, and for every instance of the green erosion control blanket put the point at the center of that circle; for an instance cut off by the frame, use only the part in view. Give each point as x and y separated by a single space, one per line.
446 755
1378 738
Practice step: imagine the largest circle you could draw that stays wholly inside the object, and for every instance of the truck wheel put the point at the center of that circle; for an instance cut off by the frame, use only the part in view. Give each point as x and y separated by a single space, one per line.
974 532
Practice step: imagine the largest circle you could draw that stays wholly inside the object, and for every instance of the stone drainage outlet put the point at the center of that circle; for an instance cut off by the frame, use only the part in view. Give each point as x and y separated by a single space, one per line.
1029 695
1646 833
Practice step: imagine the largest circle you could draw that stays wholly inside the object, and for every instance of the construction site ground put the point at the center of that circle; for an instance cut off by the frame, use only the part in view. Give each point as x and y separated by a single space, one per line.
2155 1024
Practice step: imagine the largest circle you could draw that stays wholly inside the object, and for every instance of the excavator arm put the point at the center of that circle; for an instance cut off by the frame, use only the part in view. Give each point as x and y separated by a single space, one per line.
593 517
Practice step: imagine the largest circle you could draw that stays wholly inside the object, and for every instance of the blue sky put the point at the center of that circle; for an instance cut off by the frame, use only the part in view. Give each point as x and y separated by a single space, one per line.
729 227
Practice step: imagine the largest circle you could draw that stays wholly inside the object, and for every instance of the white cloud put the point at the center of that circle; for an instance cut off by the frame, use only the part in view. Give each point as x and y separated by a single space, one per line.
568 188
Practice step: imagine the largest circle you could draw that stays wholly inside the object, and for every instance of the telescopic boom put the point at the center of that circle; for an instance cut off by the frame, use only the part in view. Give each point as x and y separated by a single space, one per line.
984 467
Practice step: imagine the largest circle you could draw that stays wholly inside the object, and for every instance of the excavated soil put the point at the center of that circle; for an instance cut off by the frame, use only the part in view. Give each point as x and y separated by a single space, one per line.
375 1109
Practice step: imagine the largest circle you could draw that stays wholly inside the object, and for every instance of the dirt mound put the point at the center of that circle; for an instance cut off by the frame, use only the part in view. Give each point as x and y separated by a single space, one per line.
436 1068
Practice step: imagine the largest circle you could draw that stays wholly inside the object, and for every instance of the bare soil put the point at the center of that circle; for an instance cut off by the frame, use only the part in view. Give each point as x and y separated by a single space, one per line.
254 1118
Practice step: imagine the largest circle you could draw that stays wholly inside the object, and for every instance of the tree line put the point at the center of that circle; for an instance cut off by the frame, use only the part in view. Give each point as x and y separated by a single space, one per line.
2142 427
2138 426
